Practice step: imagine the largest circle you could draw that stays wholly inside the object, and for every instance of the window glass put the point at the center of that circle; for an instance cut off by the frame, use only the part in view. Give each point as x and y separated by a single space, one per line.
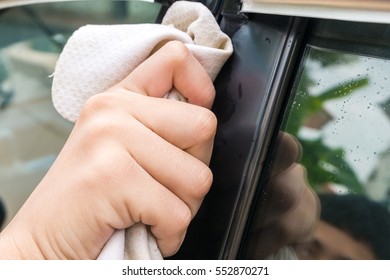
340 115
31 131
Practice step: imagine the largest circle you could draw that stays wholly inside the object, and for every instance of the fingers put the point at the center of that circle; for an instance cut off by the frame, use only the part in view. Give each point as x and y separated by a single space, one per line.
292 213
301 222
292 208
294 228
130 158
128 194
170 141
288 152
188 127
153 204
158 142
285 193
288 179
172 66
183 174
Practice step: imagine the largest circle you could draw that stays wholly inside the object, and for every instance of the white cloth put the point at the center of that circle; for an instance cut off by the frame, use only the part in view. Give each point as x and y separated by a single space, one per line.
97 57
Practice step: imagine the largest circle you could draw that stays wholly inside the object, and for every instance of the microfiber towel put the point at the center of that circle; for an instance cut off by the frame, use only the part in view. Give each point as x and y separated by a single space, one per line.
96 57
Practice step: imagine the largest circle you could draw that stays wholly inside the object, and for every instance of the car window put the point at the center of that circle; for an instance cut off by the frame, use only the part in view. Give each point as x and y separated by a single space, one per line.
31 131
340 116
338 111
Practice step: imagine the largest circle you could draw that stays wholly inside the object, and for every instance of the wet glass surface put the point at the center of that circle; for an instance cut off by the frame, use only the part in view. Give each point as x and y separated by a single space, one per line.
340 115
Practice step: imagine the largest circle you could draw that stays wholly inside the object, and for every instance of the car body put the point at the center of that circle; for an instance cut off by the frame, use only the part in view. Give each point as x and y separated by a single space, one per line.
256 91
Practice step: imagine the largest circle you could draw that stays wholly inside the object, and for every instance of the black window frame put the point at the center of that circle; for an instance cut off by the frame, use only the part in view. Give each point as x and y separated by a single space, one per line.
256 76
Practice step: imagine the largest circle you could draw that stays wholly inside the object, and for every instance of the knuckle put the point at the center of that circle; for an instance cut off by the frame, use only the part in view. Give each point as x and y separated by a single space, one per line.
288 231
210 93
204 179
205 125
279 232
102 172
102 119
289 185
108 169
101 127
171 248
95 104
182 217
177 50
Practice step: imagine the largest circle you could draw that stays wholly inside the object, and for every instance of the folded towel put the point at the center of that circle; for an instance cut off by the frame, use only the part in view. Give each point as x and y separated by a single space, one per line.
97 57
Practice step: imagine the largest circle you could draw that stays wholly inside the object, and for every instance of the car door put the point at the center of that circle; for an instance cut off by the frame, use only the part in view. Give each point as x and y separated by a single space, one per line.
258 90
341 122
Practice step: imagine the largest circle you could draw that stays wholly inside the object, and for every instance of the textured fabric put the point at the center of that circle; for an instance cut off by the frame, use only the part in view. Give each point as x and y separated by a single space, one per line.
97 57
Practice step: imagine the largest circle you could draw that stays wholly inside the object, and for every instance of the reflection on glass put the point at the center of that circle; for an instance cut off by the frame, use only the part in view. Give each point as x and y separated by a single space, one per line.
350 227
31 131
340 114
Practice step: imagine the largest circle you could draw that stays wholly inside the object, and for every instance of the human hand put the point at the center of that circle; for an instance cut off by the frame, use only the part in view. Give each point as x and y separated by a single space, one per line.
131 157
291 208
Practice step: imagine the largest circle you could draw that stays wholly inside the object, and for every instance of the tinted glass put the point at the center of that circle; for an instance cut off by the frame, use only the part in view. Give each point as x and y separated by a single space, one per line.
31 131
341 109
333 145
340 116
